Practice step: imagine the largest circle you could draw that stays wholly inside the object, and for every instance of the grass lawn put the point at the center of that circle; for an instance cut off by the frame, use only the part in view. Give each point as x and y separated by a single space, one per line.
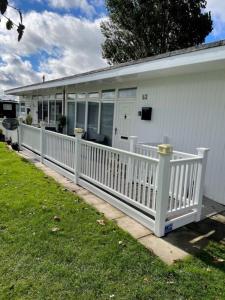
84 260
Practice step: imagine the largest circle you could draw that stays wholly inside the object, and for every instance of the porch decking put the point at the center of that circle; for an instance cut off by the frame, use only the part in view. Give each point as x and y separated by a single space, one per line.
163 192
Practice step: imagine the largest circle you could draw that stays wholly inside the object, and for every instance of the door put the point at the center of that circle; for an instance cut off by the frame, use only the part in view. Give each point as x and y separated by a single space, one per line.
124 122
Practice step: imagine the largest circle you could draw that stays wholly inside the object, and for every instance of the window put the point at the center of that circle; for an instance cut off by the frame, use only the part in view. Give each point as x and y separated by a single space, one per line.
71 118
7 106
51 111
59 96
93 109
71 96
58 110
80 115
45 111
128 93
93 95
106 126
22 107
109 94
81 96
39 111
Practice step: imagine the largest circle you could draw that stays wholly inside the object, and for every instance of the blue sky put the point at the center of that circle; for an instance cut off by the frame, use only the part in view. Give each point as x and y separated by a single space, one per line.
62 38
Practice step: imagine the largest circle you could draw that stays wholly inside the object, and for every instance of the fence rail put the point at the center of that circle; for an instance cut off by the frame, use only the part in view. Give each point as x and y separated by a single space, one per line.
164 189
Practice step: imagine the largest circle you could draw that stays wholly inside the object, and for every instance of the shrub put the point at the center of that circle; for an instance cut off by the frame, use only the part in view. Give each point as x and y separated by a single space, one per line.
29 119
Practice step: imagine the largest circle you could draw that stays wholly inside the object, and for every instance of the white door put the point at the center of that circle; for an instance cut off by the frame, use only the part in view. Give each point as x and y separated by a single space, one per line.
124 122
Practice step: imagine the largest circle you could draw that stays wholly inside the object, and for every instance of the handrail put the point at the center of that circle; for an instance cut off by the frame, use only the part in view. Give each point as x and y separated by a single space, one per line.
183 160
184 154
116 150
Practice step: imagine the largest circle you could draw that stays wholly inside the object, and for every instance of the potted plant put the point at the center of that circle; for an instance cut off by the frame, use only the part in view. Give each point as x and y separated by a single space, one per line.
62 123
29 119
79 132
2 137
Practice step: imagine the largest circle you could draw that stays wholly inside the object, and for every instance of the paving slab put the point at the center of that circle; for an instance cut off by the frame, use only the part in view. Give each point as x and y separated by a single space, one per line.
210 208
92 199
164 250
109 211
133 227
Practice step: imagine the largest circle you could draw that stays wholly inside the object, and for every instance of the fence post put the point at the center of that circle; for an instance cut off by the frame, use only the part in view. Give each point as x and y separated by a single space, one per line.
19 133
202 152
78 136
163 186
42 134
133 142
76 162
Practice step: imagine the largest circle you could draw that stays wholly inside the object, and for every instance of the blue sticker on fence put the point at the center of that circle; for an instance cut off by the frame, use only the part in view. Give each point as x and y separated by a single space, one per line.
168 228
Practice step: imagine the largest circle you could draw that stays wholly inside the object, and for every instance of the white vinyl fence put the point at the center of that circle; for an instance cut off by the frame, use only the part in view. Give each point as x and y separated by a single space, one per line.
162 191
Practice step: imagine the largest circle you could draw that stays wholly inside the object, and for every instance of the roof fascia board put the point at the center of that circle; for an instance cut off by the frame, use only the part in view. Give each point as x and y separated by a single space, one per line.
186 59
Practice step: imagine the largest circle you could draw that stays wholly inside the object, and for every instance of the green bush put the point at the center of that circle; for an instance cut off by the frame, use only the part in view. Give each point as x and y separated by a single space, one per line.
29 120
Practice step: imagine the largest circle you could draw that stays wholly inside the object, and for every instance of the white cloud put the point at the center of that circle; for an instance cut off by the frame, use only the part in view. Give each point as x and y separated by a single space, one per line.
66 45
83 5
217 8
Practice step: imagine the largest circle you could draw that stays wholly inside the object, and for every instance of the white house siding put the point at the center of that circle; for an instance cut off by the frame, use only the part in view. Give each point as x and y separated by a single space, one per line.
190 110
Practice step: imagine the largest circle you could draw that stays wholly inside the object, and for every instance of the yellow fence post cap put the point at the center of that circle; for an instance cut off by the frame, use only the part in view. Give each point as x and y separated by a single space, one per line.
165 149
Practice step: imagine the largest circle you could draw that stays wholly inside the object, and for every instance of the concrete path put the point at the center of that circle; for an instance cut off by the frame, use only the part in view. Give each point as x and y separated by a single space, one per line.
175 246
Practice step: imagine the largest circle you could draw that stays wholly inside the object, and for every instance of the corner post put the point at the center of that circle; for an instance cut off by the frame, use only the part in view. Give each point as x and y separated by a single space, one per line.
42 134
202 152
163 185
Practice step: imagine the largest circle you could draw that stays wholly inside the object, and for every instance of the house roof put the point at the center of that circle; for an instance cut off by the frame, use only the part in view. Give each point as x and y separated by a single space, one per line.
8 101
203 53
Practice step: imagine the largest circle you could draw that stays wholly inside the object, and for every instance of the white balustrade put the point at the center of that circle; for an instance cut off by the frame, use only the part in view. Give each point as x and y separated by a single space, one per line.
164 187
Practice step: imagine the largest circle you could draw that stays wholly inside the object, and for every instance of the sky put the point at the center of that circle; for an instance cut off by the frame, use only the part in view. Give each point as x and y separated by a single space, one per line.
63 38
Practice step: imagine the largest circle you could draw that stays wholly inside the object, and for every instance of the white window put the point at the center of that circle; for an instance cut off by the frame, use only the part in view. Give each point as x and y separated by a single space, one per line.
7 106
71 96
108 94
59 96
22 107
81 96
128 93
93 95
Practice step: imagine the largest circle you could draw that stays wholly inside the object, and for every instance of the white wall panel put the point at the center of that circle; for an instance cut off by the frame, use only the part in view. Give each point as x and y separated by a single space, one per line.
190 110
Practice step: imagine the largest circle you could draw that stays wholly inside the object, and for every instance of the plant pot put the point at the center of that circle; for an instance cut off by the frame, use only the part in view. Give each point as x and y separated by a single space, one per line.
2 138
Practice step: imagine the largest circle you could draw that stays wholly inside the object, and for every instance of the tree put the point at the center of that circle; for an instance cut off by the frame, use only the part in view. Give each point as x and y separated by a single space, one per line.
142 28
10 24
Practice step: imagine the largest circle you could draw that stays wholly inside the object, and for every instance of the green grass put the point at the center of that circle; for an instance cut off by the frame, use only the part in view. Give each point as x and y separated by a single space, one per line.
83 260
